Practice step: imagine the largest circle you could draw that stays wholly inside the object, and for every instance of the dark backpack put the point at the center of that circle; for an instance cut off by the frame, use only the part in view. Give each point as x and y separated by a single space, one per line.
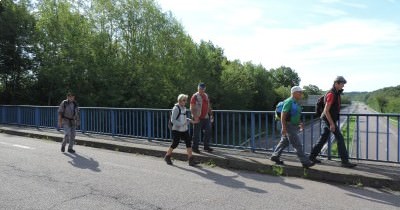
170 124
65 103
320 106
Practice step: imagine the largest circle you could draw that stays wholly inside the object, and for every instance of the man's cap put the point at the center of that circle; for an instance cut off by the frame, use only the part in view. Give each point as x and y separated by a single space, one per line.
340 79
202 85
296 89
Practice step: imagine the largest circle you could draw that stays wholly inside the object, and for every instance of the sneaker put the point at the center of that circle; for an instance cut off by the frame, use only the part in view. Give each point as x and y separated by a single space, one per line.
277 160
196 150
308 165
315 160
62 149
349 165
208 149
167 159
191 161
71 151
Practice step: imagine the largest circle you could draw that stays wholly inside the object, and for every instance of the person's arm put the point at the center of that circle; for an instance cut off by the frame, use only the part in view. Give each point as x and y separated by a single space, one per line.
60 114
283 122
193 108
78 117
327 108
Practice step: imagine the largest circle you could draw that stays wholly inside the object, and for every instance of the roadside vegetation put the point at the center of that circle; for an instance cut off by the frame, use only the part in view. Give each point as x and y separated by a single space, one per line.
348 131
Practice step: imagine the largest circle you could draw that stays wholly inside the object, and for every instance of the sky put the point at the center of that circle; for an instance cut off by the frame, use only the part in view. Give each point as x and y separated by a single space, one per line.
318 39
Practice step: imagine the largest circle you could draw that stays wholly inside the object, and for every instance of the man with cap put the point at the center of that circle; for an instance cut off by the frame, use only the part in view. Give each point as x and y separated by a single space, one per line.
291 124
329 118
200 108
68 119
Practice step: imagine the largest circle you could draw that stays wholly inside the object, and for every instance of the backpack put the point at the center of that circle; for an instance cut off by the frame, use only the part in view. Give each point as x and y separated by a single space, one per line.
320 106
170 124
278 111
65 106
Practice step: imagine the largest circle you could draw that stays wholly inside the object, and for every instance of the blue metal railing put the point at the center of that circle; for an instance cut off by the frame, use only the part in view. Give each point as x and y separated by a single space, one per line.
375 140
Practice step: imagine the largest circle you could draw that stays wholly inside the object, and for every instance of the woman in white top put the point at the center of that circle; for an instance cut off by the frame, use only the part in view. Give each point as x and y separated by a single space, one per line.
180 129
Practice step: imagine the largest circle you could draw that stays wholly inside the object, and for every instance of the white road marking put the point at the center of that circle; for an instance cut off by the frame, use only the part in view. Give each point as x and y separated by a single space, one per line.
17 145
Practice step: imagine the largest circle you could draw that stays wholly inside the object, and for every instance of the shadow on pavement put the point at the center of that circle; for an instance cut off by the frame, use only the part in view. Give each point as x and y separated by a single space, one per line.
83 162
228 181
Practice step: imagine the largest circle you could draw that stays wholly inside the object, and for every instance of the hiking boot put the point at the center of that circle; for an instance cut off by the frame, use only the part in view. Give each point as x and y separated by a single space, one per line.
62 149
196 150
167 159
349 165
71 151
308 165
208 149
277 160
191 161
315 160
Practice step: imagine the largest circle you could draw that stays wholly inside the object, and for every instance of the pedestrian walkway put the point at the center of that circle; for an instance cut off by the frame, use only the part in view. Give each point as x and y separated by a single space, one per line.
367 173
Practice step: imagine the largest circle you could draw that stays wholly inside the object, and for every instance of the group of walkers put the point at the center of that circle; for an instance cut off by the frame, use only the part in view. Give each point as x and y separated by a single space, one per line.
202 117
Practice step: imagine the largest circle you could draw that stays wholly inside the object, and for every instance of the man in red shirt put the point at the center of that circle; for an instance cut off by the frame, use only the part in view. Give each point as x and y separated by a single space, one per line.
329 119
201 111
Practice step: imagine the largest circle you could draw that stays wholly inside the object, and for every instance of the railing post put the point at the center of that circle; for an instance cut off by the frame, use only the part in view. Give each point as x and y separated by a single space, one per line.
19 115
358 136
113 122
83 120
3 114
252 130
37 117
149 127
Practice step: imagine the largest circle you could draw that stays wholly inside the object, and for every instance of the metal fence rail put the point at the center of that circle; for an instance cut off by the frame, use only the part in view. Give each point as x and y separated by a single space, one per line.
373 137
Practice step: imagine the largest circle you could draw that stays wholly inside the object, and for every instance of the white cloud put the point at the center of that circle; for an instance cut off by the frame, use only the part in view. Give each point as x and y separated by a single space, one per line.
331 47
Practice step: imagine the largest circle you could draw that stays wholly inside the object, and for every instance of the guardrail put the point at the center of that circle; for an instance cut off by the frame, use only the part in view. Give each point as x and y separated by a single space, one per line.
373 137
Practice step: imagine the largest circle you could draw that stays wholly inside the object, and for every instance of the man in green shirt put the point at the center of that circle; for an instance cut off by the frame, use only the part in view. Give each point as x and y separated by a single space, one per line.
291 124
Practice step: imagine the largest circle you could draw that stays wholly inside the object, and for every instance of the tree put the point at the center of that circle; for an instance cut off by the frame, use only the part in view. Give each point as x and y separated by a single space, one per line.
16 54
284 76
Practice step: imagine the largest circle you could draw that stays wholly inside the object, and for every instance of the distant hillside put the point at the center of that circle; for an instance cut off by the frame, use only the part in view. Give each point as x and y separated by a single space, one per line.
386 100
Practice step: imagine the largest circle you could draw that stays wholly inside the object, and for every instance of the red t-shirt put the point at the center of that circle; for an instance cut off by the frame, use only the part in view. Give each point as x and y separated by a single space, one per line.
204 106
330 97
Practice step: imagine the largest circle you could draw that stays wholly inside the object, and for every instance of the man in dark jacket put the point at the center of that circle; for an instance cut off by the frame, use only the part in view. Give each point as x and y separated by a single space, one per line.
329 117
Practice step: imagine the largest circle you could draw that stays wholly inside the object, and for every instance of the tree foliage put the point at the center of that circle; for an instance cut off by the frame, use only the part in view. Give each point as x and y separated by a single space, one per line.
122 53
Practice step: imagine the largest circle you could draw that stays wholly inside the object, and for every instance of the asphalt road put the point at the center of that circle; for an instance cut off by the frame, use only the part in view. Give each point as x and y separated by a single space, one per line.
376 142
34 174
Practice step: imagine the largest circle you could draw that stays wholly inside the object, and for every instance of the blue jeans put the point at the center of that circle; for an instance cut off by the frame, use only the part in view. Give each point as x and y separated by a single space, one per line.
205 125
326 132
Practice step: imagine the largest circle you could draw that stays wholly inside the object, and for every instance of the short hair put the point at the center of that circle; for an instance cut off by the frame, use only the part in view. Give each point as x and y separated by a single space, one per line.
182 96
70 94
340 79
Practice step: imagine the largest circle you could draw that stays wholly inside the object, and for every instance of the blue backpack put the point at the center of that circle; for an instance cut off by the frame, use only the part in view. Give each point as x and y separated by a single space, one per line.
279 107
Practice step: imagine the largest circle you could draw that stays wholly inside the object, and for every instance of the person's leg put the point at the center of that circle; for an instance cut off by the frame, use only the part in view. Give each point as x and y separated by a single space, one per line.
72 138
283 143
207 134
175 143
297 145
196 137
67 136
343 154
188 142
322 140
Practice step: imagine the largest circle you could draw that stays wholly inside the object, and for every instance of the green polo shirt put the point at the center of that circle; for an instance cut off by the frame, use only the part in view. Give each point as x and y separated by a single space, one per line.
294 109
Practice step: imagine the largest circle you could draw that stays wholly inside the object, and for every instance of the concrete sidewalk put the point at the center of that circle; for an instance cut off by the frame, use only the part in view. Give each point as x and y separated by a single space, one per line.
367 173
